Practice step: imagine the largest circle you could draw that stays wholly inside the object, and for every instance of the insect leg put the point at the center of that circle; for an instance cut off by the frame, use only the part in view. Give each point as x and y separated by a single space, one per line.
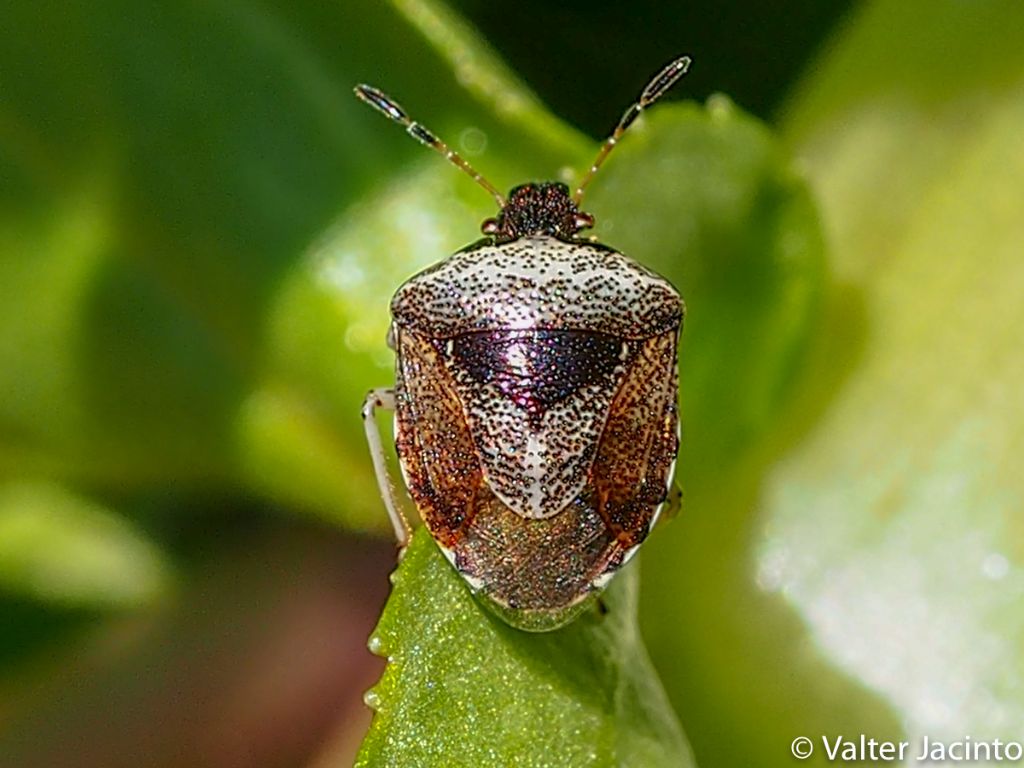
673 504
383 398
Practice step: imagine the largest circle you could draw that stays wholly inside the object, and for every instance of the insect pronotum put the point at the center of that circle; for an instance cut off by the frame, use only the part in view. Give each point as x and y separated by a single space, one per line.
535 397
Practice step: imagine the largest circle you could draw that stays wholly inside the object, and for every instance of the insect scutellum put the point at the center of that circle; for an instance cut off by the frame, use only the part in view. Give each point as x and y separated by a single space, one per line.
544 208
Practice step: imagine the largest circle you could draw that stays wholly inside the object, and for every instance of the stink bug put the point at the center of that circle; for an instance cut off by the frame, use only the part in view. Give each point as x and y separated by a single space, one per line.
535 397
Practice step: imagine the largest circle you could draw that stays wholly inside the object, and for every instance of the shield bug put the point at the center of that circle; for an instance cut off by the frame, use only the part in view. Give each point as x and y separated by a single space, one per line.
535 398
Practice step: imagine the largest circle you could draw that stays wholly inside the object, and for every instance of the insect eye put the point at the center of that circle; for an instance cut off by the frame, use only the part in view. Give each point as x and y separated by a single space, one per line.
489 227
583 221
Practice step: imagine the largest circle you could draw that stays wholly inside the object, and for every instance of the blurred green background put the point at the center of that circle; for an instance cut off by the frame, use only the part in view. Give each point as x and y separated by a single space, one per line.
200 230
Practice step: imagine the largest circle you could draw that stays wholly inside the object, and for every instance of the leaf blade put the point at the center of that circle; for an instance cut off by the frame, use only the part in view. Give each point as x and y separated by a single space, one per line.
463 688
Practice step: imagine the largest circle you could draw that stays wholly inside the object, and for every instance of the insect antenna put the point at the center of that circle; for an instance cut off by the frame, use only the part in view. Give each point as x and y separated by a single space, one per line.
390 108
653 91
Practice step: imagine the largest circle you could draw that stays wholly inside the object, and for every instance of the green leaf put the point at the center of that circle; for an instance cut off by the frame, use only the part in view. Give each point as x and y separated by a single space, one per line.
707 196
170 174
462 688
60 549
198 294
866 555
894 528
204 229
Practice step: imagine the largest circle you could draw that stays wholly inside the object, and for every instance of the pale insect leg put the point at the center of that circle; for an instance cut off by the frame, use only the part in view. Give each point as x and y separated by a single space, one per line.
383 398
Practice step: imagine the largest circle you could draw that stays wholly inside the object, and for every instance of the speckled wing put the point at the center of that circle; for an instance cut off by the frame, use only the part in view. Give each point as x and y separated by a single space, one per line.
633 467
539 572
437 454
536 403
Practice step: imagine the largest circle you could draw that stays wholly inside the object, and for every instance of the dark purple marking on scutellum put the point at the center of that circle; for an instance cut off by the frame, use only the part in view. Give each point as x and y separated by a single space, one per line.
536 369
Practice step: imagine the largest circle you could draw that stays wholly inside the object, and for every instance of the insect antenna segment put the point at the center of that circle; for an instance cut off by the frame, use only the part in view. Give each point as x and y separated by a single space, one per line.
391 109
653 91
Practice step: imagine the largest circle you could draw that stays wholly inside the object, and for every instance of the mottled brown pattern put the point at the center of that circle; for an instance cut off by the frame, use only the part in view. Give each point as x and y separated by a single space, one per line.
639 443
537 507
537 565
538 572
536 397
437 452
564 440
